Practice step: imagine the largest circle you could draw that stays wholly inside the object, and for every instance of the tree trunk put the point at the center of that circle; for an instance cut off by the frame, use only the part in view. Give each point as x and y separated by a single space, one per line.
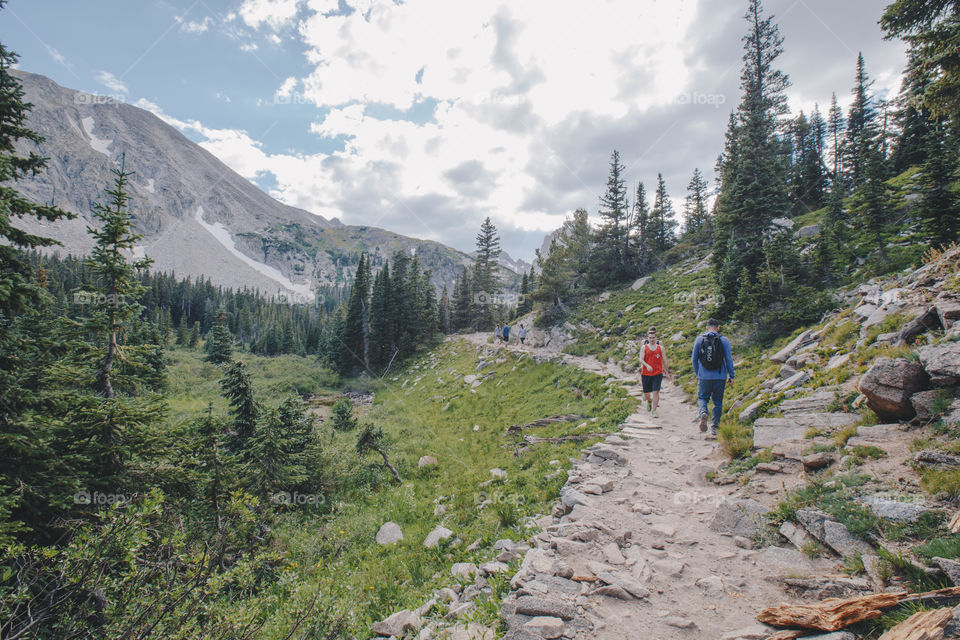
393 469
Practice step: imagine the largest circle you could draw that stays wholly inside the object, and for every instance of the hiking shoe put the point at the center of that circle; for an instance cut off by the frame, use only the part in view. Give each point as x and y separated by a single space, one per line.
703 422
655 414
649 406
713 430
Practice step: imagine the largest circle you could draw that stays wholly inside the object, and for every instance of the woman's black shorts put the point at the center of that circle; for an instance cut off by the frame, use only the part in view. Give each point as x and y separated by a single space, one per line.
651 383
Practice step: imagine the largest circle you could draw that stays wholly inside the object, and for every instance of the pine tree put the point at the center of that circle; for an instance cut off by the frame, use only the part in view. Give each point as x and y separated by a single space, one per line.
836 128
282 452
486 279
753 173
639 224
661 225
119 288
862 133
194 335
341 416
220 345
564 268
244 410
932 27
807 181
939 208
382 344
463 317
371 440
696 219
445 312
871 204
353 354
914 120
610 262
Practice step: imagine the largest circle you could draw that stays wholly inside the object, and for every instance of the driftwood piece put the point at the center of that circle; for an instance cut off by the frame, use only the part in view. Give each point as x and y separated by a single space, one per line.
923 625
542 422
955 523
832 614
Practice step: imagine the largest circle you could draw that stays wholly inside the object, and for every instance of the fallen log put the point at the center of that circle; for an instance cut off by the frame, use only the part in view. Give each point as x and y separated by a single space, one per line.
923 625
542 422
832 614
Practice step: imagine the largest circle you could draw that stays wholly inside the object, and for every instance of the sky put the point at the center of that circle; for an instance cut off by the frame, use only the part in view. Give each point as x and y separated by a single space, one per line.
426 116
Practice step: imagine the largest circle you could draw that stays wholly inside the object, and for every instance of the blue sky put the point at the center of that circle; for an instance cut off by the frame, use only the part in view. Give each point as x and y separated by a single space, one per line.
425 116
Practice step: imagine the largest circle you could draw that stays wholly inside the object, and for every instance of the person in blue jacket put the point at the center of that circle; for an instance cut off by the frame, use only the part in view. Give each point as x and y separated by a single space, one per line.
713 366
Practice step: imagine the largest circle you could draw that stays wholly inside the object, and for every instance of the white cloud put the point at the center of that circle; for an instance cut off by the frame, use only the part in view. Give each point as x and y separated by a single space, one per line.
275 14
112 82
195 27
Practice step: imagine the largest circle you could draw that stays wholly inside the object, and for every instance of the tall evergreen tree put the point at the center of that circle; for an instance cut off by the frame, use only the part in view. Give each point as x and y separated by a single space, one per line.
939 207
914 120
639 224
611 261
696 218
220 344
486 278
807 180
463 302
244 410
352 352
446 313
862 133
836 130
871 202
661 226
382 339
753 180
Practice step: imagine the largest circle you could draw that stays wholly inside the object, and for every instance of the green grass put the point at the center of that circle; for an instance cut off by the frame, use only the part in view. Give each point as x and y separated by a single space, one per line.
938 482
944 547
361 582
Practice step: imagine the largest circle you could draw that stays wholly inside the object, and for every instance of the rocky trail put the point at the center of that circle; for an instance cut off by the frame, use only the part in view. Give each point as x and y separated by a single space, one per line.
643 544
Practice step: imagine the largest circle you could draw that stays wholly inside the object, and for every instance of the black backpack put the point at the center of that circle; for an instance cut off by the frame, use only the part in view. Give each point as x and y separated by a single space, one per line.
711 352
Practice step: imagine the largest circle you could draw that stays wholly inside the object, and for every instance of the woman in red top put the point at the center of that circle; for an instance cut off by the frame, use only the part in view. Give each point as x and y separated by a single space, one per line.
653 366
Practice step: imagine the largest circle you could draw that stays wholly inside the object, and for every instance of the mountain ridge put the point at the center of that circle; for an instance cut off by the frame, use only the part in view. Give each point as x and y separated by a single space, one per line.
197 216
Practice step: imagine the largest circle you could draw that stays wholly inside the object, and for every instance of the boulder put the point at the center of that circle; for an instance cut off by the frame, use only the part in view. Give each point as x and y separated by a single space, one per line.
548 607
948 309
923 403
793 381
936 458
929 320
831 533
818 401
434 537
838 361
571 497
545 626
739 517
771 431
397 625
426 461
781 356
653 310
464 569
638 284
751 411
816 461
786 371
894 510
753 632
949 567
498 473
942 363
808 231
888 385
389 533
796 535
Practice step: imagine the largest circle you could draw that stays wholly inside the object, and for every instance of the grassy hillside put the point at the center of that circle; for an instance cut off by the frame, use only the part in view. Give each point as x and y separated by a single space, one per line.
426 409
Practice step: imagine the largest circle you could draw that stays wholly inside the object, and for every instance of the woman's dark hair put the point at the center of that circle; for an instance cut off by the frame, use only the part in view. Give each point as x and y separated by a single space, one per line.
652 330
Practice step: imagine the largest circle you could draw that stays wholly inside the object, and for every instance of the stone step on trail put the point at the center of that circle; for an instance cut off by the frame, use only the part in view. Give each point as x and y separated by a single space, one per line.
768 432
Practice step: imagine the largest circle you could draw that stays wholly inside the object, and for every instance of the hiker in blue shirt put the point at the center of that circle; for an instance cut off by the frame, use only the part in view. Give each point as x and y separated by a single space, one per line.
713 366
506 333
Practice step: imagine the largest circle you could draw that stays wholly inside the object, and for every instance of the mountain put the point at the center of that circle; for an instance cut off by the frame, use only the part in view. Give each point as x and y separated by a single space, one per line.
197 216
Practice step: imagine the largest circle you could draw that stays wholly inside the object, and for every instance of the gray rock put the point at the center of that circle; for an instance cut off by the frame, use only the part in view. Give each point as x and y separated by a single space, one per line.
625 582
942 363
801 340
426 461
389 533
831 533
545 626
793 381
571 497
464 569
780 559
797 536
929 320
398 624
771 431
948 308
753 632
808 231
893 510
880 433
549 607
937 458
608 453
949 567
838 361
816 461
653 310
679 623
434 537
751 411
818 401
739 517
888 385
638 284
786 371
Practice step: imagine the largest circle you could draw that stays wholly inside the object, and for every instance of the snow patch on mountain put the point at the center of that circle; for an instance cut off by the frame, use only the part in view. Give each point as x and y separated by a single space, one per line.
218 231
99 144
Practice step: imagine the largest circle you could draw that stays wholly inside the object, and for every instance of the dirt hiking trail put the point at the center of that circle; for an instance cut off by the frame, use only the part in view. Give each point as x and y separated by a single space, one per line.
637 548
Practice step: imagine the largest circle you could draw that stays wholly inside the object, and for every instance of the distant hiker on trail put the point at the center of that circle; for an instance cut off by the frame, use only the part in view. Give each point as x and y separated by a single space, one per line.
713 366
499 334
506 333
522 333
653 366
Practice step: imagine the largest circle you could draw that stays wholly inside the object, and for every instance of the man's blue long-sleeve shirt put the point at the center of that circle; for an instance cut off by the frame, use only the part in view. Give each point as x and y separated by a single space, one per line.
719 374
